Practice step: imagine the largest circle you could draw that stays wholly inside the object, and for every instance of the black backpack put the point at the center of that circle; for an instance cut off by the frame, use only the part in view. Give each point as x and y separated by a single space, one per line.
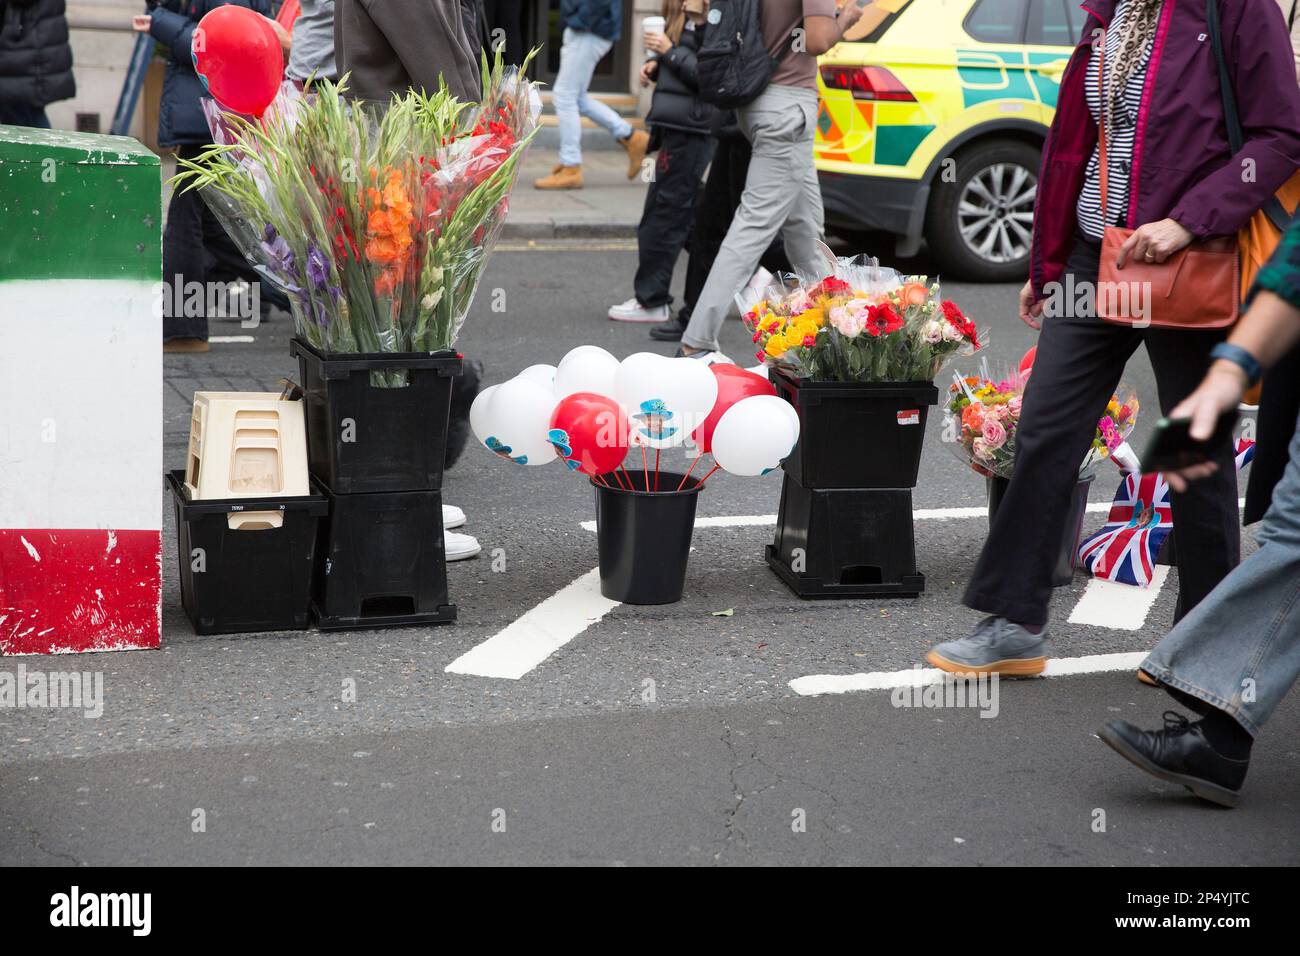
733 63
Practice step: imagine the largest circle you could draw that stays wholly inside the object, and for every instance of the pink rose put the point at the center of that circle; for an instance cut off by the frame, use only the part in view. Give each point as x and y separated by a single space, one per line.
1014 405
994 434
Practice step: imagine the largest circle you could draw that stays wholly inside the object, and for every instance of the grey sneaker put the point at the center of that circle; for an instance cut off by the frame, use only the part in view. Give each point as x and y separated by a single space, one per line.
996 646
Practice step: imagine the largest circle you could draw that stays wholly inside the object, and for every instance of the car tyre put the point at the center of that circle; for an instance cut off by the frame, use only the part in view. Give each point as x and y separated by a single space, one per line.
978 225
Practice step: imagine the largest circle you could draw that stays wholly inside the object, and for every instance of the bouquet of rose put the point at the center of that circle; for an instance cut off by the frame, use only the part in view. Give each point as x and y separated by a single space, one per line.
984 413
861 323
376 222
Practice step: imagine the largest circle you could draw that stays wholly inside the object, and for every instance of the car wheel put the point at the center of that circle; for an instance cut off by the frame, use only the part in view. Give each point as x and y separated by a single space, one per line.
979 224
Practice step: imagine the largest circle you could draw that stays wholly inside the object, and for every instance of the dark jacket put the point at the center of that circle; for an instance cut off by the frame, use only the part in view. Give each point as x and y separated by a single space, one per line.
389 47
676 103
35 57
601 17
1182 166
180 117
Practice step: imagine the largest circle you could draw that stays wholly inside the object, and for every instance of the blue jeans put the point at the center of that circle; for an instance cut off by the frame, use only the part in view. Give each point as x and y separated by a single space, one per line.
22 114
1239 649
578 58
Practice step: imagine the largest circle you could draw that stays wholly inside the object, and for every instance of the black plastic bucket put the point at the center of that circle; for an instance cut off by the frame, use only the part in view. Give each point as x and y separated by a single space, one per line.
644 538
1067 557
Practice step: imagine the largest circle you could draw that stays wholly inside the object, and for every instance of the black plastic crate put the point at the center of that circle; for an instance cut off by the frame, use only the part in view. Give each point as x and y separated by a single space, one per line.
362 438
855 542
856 435
245 580
381 562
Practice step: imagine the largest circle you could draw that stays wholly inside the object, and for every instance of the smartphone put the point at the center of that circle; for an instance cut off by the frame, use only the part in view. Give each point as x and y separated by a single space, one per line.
1172 446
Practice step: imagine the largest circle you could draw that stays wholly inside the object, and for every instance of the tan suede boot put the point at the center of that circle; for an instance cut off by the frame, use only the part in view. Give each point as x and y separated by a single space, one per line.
563 177
636 145
185 345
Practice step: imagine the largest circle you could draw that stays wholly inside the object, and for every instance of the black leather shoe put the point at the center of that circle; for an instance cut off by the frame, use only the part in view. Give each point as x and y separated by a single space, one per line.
670 331
1179 754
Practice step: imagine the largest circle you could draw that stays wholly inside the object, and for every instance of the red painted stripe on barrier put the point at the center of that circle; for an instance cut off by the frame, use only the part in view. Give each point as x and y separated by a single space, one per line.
70 591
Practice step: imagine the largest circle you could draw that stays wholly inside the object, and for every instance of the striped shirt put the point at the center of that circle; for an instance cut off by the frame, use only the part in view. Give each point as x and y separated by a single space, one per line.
1119 138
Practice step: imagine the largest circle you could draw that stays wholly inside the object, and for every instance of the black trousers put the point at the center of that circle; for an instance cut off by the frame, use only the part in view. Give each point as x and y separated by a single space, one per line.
1078 365
196 248
669 211
507 16
717 207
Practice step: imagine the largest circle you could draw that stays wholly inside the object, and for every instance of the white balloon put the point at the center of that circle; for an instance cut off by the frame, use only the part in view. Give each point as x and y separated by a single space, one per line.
543 375
478 413
588 368
792 413
758 370
517 422
754 436
665 398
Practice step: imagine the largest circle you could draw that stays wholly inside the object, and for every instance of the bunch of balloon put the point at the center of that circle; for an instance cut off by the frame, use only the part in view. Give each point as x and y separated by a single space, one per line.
238 57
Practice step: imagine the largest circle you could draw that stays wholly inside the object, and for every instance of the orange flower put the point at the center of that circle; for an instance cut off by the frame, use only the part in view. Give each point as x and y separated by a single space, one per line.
913 293
388 227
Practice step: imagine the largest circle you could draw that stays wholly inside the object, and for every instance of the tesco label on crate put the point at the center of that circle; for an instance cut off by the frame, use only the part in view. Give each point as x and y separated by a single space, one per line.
909 416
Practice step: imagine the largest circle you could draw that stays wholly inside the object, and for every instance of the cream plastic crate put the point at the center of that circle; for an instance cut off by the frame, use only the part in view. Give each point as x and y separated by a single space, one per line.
246 445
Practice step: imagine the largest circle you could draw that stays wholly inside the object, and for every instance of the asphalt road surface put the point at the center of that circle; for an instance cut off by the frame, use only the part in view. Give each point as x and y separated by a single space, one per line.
663 734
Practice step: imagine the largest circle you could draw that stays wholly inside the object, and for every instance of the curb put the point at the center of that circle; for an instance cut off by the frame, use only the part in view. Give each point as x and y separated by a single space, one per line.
570 229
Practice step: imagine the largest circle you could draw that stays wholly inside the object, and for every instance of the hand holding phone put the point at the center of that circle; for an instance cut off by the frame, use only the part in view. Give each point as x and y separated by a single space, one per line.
1173 450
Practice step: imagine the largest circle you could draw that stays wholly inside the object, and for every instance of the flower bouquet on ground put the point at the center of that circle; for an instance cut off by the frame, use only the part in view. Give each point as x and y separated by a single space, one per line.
376 221
860 324
984 413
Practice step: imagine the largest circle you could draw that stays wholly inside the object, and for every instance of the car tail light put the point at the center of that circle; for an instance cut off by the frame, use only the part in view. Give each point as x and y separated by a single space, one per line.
867 83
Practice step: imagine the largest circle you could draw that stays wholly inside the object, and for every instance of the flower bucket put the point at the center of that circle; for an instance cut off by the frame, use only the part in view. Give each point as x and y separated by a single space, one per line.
1067 558
364 438
856 435
644 538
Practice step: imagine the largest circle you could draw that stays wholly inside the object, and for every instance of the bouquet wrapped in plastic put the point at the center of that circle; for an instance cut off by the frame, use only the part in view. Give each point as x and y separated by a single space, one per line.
376 221
984 414
860 323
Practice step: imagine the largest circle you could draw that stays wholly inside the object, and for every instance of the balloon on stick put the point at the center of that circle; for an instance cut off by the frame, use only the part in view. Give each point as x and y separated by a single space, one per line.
754 436
515 422
734 384
588 368
238 57
589 433
665 399
543 375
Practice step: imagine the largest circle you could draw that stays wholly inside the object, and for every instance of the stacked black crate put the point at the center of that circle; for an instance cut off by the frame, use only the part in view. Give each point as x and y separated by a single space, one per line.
844 528
376 441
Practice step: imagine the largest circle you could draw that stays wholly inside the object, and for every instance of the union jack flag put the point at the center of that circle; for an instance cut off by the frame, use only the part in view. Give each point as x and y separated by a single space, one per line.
1140 519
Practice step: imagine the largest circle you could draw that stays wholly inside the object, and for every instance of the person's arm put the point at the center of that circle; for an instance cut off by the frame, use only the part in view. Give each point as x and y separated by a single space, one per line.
822 32
1268 101
682 61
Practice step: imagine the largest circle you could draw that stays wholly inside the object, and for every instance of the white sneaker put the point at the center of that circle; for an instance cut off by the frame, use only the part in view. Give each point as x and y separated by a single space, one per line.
708 358
458 547
452 517
634 311
759 281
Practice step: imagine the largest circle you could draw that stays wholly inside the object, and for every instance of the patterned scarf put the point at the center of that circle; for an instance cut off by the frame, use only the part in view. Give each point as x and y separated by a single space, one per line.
1135 42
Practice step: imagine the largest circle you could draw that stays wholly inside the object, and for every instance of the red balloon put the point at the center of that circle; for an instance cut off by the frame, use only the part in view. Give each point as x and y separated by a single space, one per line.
1027 360
734 383
238 57
589 432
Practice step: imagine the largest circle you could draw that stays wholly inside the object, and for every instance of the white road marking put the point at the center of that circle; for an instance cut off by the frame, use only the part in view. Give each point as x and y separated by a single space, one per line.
1123 607
231 338
817 684
531 639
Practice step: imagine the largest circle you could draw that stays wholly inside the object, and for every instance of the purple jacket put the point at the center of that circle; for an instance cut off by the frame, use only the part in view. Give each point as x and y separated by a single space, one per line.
1182 166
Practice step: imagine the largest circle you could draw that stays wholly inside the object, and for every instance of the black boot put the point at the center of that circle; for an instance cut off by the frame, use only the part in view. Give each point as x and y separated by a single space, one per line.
671 331
1180 753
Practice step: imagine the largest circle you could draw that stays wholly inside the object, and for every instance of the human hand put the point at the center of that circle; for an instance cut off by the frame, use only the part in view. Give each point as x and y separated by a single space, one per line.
1153 243
658 42
649 70
141 22
1220 391
1029 309
849 14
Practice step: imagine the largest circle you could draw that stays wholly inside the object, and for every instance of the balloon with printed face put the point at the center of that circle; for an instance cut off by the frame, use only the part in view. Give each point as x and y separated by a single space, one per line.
754 436
238 57
588 368
665 398
515 422
734 384
478 412
589 433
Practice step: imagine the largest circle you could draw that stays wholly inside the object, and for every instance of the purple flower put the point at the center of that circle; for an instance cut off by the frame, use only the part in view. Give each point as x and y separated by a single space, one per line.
318 267
277 249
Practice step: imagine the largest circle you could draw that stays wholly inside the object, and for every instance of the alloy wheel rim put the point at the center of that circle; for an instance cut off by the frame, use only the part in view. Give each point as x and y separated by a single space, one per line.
995 212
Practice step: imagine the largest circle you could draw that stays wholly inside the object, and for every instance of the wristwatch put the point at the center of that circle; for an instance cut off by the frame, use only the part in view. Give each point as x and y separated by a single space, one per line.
1239 357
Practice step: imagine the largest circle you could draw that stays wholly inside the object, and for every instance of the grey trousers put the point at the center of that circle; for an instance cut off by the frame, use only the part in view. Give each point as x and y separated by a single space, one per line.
1239 649
781 195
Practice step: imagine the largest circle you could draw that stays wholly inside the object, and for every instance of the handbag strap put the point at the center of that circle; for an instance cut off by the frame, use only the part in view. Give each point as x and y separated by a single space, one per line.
1101 126
1232 119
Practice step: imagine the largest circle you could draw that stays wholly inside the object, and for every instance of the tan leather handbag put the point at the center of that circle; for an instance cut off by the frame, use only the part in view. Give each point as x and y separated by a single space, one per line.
1195 288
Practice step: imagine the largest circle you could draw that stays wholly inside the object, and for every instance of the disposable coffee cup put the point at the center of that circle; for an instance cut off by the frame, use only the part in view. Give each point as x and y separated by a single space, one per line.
652 25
